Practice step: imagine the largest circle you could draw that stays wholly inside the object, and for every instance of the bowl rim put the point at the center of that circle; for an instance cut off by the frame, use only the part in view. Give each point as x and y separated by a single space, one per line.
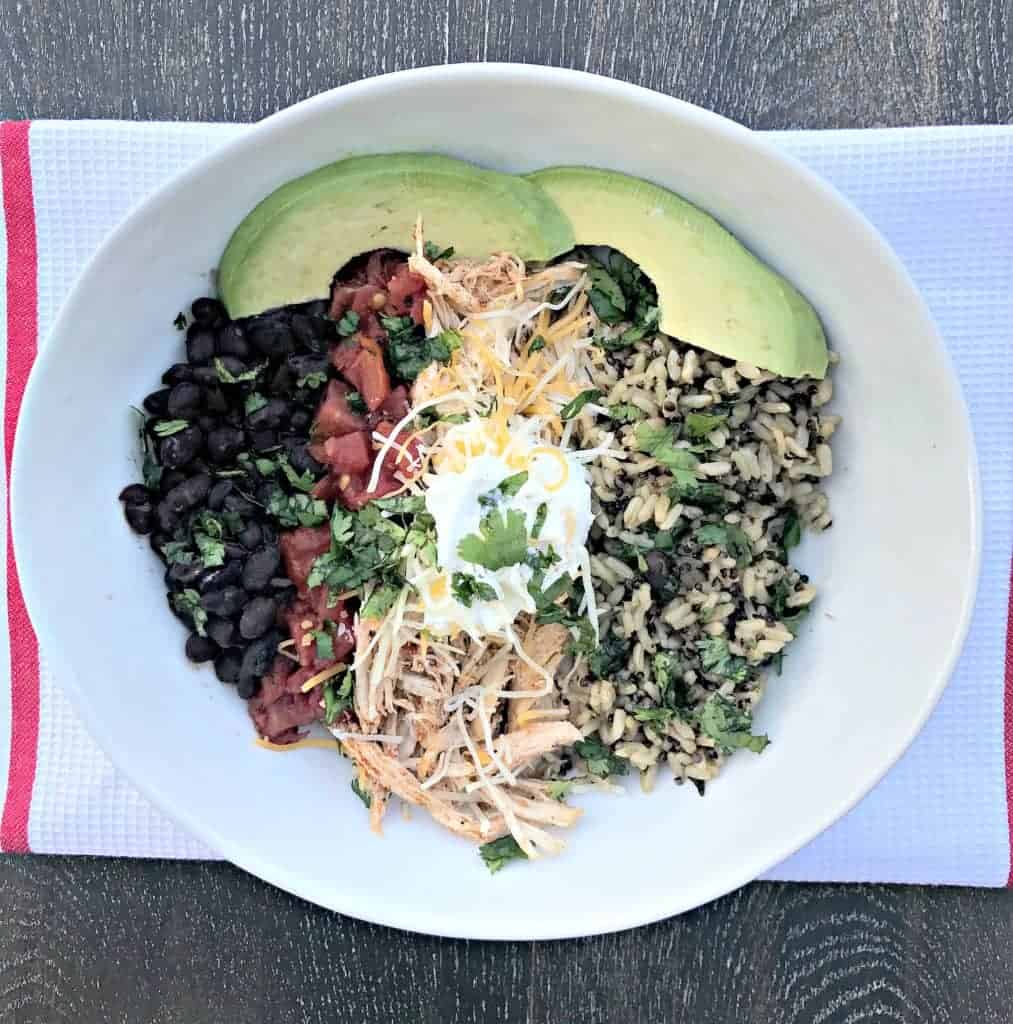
436 922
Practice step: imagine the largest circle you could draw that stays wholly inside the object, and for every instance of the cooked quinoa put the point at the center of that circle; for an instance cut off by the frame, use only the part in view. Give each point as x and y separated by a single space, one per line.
689 553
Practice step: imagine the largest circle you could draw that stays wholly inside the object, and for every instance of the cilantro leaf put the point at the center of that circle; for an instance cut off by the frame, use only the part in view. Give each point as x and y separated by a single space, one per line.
506 488
626 412
606 296
433 252
716 658
541 514
316 379
666 671
575 405
500 852
660 443
791 535
659 715
166 428
502 540
226 377
600 761
212 550
729 726
609 658
180 322
254 401
357 403
466 589
365 797
409 351
337 698
537 344
300 481
177 552
187 602
296 509
380 601
560 789
325 644
700 424
348 324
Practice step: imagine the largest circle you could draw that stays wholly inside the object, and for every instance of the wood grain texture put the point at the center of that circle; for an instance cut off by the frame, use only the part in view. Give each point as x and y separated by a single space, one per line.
96 942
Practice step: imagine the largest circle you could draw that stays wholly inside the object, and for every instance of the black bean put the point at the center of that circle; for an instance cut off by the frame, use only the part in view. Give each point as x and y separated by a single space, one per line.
263 440
301 420
198 466
300 458
232 342
166 517
185 401
271 337
317 309
208 311
189 493
250 537
260 567
207 376
226 602
311 331
234 417
223 632
200 648
256 661
282 382
303 365
247 686
200 344
207 423
178 449
234 550
134 494
183 574
268 533
224 443
240 505
227 666
220 576
217 495
157 403
215 400
269 416
176 373
264 492
183 616
257 618
232 364
139 517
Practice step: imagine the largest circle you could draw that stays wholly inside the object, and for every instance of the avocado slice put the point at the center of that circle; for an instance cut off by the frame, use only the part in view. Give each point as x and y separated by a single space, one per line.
712 291
290 246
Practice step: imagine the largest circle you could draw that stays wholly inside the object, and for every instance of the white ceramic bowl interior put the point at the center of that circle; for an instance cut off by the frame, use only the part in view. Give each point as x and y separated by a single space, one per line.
896 571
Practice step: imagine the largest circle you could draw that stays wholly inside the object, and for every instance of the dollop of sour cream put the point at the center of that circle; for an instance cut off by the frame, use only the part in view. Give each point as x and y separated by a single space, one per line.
481 456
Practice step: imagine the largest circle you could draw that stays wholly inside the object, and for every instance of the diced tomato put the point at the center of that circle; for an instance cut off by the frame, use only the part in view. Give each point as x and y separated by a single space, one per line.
350 453
280 708
326 488
300 548
355 496
364 370
395 406
334 417
406 457
404 288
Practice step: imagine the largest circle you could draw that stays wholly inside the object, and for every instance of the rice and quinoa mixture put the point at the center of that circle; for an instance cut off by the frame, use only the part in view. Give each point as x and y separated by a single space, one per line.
690 553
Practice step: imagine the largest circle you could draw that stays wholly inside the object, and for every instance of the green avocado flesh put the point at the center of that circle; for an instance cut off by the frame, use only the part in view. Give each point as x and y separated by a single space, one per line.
290 246
713 293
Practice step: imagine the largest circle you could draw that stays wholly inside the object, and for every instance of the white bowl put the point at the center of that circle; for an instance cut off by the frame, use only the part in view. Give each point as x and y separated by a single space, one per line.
896 573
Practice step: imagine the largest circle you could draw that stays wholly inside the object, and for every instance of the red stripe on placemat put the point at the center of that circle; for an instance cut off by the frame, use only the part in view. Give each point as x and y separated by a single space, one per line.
22 332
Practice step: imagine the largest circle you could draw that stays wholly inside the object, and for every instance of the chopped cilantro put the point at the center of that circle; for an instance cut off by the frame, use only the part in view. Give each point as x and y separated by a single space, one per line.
610 657
348 324
729 726
658 715
500 852
300 481
177 552
537 344
381 601
365 797
599 759
560 789
187 602
254 401
357 403
541 514
337 698
732 538
621 293
166 428
296 509
716 658
660 443
700 424
626 412
506 488
180 322
212 550
325 644
433 252
502 540
574 407
791 536
666 671
466 589
316 379
226 377
408 349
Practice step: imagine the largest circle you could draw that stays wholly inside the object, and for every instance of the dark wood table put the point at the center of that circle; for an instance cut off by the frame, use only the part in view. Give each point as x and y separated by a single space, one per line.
98 941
